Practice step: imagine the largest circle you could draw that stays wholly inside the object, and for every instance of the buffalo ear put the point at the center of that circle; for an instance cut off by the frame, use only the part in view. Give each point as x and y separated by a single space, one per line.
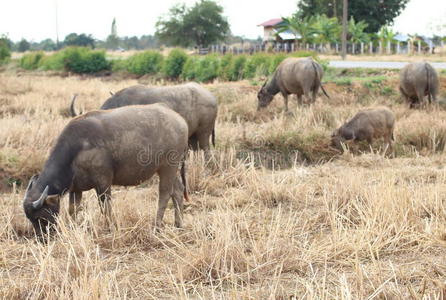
52 200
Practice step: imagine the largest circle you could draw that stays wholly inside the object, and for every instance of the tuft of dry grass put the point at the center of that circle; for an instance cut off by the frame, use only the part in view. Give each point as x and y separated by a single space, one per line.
275 213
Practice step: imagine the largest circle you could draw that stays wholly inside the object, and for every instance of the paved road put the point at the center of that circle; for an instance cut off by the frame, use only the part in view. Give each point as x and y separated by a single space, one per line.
377 64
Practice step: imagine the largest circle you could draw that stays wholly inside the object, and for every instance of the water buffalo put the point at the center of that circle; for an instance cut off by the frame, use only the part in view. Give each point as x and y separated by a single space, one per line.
193 102
293 76
418 80
123 146
368 124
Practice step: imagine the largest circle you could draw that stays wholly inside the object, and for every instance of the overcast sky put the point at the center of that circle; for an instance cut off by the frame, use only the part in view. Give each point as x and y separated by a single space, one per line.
36 19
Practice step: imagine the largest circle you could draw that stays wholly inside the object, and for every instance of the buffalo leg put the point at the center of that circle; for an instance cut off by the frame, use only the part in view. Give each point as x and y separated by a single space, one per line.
203 141
309 97
74 204
177 198
167 177
299 99
104 196
285 100
193 142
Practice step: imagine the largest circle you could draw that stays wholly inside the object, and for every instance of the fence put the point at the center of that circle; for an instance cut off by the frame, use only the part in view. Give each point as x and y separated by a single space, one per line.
359 48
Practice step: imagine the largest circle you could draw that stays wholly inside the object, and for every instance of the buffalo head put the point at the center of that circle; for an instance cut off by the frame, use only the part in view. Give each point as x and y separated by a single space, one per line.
40 208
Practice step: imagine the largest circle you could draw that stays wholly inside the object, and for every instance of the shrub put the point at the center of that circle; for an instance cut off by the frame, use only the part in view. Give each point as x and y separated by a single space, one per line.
119 65
207 68
225 66
83 60
237 67
174 63
257 65
31 61
5 53
52 62
275 61
148 62
190 68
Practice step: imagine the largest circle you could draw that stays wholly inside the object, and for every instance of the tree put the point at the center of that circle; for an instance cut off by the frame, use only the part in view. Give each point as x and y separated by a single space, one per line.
327 29
376 13
112 41
356 31
199 25
23 46
82 40
303 27
5 49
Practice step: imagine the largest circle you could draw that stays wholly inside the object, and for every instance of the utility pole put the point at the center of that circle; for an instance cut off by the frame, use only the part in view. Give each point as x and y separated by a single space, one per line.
57 27
344 29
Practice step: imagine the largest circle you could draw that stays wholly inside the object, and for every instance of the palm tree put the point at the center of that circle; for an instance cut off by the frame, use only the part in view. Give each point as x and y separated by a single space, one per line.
327 30
386 35
356 31
301 28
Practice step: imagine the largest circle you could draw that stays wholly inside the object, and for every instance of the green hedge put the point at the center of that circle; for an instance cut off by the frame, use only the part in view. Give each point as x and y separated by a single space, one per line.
148 62
83 60
31 61
174 63
178 64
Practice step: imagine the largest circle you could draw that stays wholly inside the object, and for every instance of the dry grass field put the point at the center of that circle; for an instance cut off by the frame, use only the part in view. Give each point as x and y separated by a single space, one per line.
274 214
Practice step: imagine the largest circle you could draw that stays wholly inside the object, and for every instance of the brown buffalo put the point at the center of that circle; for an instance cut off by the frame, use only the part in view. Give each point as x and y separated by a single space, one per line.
293 76
123 146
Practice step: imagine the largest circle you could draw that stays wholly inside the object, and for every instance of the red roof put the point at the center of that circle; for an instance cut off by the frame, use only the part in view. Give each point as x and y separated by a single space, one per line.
272 22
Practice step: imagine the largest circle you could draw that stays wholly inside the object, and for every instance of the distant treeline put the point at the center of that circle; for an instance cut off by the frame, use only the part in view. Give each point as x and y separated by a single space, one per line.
111 43
177 65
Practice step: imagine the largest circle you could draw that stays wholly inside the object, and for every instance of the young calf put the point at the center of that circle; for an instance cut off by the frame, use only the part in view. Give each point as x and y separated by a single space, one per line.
368 124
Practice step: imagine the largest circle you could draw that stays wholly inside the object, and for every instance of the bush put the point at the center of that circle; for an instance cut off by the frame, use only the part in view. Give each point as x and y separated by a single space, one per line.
225 67
257 65
207 69
31 61
83 60
148 62
5 53
119 65
237 67
190 68
174 63
52 62
275 61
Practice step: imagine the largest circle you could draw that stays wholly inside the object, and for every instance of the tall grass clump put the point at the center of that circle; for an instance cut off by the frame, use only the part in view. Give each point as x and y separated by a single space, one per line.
5 53
190 68
148 62
202 69
174 63
275 61
208 68
225 66
257 65
52 62
236 68
83 60
31 61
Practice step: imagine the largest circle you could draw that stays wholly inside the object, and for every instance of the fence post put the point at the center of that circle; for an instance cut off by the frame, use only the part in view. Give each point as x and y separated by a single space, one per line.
388 47
362 48
307 46
337 48
292 47
419 47
398 50
380 47
353 48
430 47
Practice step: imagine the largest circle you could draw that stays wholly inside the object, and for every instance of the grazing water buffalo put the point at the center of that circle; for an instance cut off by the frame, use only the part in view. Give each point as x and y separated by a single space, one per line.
293 76
368 124
123 146
193 102
418 80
